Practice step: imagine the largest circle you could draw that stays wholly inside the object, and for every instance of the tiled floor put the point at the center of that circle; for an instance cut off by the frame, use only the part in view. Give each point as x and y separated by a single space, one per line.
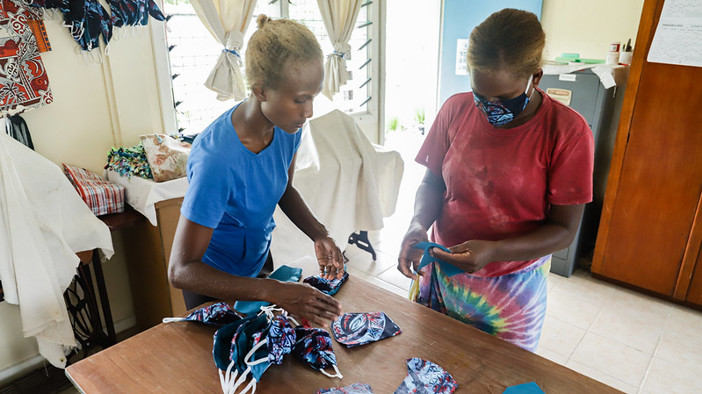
633 342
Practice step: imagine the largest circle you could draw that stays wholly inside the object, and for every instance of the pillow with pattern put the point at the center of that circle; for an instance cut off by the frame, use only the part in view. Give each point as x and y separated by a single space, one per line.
167 156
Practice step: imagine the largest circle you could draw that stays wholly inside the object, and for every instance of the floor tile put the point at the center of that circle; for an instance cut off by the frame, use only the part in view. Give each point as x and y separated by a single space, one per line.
602 377
612 358
394 276
573 304
362 261
634 319
667 377
681 342
560 337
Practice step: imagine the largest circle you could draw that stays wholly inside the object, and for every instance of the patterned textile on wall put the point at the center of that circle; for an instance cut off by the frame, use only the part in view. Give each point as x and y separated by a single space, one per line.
23 80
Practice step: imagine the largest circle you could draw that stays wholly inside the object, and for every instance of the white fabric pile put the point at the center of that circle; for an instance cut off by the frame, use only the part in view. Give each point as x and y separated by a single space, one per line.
43 223
349 184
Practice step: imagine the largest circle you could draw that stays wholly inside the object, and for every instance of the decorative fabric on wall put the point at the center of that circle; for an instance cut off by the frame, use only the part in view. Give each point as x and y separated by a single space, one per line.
227 21
23 80
88 20
340 20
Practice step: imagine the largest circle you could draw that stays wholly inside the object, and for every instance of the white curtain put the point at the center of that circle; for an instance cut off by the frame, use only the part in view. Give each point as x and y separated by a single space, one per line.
340 19
227 20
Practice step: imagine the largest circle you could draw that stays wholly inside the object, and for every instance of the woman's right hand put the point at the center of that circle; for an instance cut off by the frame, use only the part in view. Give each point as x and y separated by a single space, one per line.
301 299
410 256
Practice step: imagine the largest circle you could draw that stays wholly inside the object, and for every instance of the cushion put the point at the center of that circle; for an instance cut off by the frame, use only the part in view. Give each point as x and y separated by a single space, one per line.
167 156
101 196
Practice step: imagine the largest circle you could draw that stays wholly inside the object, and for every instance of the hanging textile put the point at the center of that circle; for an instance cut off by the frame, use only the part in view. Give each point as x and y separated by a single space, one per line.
23 80
227 21
340 20
43 224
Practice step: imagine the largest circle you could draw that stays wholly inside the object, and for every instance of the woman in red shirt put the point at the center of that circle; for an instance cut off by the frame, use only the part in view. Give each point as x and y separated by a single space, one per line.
508 173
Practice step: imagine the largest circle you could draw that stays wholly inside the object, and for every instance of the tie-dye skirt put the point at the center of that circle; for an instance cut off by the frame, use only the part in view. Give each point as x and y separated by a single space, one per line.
511 307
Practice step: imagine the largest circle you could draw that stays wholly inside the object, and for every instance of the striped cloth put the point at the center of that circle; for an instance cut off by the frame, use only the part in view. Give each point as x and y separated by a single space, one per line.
101 196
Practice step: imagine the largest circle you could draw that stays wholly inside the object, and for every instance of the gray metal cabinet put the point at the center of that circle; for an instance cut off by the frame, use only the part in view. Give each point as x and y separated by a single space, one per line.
600 107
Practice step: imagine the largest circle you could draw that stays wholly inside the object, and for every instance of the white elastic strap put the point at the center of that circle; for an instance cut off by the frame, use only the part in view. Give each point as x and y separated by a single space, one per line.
253 350
337 375
229 377
240 381
171 319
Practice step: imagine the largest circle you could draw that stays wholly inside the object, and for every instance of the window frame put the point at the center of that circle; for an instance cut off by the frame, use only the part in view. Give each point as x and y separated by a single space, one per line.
370 120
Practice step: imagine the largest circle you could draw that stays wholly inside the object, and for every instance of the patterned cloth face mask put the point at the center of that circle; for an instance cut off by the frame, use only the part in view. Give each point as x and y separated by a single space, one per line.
314 347
218 314
501 112
355 329
426 377
326 286
255 345
356 388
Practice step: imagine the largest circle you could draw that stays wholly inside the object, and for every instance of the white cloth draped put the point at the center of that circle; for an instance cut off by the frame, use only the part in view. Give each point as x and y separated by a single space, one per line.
339 18
43 223
227 21
348 183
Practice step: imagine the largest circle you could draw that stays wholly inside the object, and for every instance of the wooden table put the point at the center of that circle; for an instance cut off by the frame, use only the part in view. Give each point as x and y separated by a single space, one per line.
177 357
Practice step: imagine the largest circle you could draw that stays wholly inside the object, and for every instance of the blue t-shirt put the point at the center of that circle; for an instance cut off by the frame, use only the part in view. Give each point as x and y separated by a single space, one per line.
235 191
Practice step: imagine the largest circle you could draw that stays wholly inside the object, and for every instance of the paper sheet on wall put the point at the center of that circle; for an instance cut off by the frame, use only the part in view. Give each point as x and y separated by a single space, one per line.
461 53
678 38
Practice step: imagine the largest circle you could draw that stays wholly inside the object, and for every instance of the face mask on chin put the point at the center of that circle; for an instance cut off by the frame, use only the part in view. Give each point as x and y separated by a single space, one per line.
501 112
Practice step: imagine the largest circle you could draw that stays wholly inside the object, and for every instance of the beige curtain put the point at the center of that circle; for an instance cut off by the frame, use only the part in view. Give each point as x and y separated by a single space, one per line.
227 20
340 19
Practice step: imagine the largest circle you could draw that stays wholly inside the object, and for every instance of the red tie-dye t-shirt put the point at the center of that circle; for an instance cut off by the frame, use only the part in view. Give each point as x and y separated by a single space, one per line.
501 182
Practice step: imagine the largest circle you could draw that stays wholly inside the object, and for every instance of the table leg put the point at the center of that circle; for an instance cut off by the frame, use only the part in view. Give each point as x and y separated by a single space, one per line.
104 301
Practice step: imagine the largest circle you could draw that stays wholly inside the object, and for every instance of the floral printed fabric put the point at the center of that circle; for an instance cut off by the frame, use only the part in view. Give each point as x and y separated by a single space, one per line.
129 161
167 156
23 80
426 377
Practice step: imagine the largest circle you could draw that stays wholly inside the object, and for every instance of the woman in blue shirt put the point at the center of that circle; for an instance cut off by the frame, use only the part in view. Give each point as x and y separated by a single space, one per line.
240 167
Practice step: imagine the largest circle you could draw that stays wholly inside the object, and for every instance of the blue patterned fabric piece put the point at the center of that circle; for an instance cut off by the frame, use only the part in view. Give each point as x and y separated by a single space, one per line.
426 377
356 388
281 339
217 314
326 286
283 274
356 329
447 268
313 346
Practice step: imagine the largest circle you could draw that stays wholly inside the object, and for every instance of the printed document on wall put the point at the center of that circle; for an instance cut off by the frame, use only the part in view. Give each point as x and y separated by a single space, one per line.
678 38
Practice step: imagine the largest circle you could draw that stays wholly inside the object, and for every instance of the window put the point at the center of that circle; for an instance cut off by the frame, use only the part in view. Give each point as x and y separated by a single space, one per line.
192 52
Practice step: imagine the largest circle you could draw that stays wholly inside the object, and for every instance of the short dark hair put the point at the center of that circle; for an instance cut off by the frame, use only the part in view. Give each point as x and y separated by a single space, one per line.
509 39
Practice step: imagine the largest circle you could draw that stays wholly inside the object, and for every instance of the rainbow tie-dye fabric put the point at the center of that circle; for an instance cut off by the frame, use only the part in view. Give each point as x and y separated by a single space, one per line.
511 307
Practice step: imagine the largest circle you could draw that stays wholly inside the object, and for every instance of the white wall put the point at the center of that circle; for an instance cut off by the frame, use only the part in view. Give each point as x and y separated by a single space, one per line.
96 106
588 27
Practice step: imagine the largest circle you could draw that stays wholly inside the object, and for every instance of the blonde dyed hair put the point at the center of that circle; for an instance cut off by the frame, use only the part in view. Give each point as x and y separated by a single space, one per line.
511 40
275 47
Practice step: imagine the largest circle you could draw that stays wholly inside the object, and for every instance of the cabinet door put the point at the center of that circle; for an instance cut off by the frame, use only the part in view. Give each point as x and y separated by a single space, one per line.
658 177
694 294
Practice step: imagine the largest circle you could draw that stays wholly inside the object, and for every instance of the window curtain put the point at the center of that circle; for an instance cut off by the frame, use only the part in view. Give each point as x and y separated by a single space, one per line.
340 19
227 21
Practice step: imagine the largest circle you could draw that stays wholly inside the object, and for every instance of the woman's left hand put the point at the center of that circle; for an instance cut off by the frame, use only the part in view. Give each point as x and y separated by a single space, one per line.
329 257
470 256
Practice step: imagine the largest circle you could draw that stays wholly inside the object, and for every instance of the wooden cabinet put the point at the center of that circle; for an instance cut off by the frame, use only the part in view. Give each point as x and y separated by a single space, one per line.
650 231
148 249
